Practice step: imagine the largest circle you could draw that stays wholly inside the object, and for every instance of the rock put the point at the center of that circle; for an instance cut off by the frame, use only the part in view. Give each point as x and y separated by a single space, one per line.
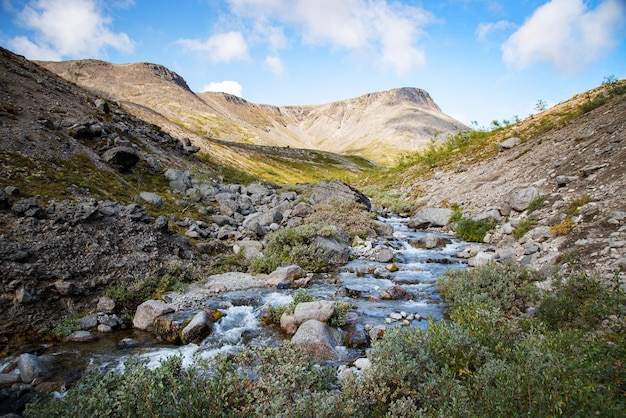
198 329
490 214
105 304
320 310
383 254
161 223
154 164
355 336
123 158
318 339
80 336
288 323
430 240
4 200
377 332
395 293
27 207
509 143
87 322
168 327
563 181
520 199
480 259
251 248
589 210
337 254
430 217
257 189
103 328
148 311
179 181
329 192
285 274
152 198
31 367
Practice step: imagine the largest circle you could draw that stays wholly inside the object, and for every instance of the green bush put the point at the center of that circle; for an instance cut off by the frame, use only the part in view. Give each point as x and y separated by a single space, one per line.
581 302
524 226
474 230
505 287
536 203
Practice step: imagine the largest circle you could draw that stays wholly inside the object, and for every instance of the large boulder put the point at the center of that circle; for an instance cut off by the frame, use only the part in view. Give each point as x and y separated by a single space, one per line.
179 181
198 329
329 192
284 274
124 158
427 217
148 311
521 198
337 254
321 310
318 339
31 367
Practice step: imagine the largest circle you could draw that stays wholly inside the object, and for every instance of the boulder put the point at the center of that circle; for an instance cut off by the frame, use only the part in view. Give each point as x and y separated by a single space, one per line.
521 198
320 310
337 254
318 339
395 293
123 158
179 181
152 198
198 329
31 367
329 192
4 200
285 274
355 336
509 143
148 311
383 254
427 217
480 259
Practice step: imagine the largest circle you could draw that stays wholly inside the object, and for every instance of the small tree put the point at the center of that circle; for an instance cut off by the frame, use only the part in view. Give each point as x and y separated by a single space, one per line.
541 105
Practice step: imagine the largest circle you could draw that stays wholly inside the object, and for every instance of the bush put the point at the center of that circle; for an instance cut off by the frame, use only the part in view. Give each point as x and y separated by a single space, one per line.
505 287
536 203
351 217
474 230
524 226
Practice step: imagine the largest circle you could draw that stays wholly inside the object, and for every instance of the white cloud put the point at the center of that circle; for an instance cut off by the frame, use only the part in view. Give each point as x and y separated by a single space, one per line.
274 64
566 34
67 28
226 86
221 47
484 29
388 30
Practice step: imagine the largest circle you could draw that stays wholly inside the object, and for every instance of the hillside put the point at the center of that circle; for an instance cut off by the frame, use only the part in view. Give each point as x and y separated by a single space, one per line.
378 126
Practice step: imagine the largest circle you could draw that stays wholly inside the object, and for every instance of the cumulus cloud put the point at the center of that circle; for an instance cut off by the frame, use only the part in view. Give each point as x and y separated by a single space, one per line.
67 28
388 31
274 64
221 47
226 86
566 34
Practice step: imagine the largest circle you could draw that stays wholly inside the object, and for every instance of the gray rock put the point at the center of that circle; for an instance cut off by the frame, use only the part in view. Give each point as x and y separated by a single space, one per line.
430 240
320 310
284 274
123 158
329 192
337 254
490 214
154 164
152 198
521 198
80 336
4 200
318 339
427 217
87 322
148 311
179 181
161 223
257 189
563 181
509 143
480 259
198 329
31 367
252 248
589 210
383 254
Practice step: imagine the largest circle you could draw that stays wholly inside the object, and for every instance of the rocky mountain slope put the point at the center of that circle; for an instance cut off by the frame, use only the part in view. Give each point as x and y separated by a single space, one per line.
379 126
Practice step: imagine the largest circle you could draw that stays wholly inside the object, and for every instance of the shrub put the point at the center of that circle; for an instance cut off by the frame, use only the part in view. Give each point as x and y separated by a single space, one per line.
580 301
474 230
562 228
524 226
505 287
351 217
536 203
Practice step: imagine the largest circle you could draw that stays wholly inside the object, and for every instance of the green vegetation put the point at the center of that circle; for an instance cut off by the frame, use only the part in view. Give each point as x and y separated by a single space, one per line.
486 361
536 203
474 230
524 226
152 286
573 209
273 313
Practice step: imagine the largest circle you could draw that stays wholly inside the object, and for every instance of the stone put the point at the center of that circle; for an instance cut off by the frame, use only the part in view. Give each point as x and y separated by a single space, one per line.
168 327
480 259
383 254
563 181
257 189
321 310
179 181
521 198
331 192
197 329
148 311
80 336
509 143
31 367
377 332
123 158
430 217
430 240
154 164
161 223
318 339
87 322
288 323
152 198
4 200
336 253
395 293
355 336
285 274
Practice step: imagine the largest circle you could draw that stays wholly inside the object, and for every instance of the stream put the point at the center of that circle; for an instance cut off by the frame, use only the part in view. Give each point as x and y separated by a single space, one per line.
360 283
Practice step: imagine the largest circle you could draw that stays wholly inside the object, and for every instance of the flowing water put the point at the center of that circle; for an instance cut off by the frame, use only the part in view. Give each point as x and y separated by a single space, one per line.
360 283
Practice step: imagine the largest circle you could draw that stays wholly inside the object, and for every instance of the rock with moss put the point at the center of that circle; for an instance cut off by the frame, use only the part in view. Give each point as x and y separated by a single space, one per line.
148 311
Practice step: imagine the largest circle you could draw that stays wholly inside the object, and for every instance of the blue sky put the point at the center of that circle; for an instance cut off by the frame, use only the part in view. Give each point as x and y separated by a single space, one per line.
479 59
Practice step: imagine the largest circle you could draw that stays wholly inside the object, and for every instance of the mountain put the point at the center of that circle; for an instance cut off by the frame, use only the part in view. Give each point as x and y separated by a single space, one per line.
379 126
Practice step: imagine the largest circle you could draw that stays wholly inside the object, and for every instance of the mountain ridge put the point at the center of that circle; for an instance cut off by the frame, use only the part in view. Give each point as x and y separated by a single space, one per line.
379 126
